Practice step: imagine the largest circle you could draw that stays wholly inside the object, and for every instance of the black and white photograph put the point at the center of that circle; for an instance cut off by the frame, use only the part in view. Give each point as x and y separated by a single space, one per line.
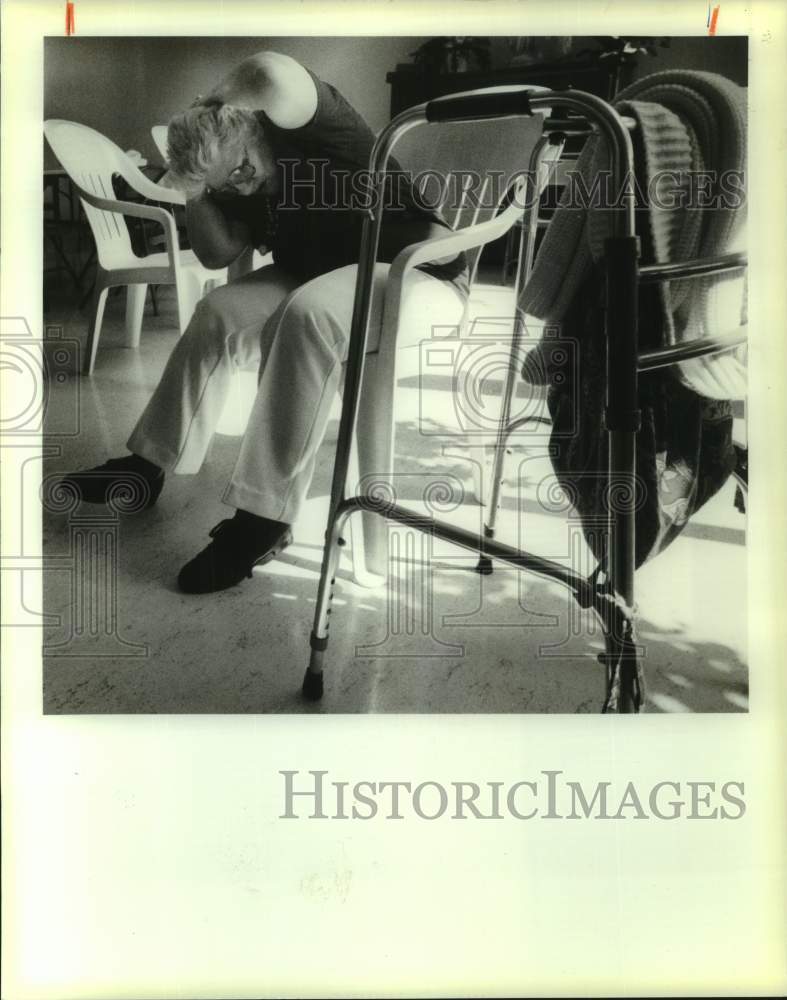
387 609
480 460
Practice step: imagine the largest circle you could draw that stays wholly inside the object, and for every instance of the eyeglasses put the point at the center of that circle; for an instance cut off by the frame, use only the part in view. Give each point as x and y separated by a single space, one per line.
242 173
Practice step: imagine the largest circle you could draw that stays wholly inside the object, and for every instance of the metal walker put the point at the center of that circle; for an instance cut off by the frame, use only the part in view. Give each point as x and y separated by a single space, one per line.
613 598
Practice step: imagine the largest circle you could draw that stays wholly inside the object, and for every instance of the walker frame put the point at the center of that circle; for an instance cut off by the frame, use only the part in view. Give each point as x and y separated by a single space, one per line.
612 600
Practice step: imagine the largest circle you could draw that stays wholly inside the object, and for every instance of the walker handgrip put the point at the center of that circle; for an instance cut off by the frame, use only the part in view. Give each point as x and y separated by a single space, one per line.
478 104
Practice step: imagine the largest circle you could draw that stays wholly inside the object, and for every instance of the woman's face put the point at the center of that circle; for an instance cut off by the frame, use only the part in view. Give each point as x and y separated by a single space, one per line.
244 166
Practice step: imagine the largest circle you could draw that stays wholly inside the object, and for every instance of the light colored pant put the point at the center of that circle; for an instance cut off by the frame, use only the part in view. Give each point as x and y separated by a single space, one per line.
298 336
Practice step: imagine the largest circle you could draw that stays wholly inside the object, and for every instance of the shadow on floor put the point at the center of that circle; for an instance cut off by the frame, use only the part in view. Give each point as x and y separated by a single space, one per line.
120 637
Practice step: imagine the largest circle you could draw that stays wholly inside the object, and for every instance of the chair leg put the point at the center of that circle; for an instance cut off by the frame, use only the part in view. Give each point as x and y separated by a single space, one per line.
477 455
99 301
375 441
188 289
135 307
369 569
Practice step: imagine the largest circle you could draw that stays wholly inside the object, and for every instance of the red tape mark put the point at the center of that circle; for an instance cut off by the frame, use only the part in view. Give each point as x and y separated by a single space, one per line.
70 19
713 18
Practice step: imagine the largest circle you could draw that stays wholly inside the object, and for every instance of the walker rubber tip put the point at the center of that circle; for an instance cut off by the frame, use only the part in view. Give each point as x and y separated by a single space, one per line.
312 686
484 566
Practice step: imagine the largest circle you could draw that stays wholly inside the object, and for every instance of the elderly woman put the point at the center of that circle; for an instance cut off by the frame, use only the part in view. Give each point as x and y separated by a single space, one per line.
272 158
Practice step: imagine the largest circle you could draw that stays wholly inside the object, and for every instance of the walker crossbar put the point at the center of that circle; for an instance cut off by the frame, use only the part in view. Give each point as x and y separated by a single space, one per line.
466 539
587 591
663 357
612 600
650 273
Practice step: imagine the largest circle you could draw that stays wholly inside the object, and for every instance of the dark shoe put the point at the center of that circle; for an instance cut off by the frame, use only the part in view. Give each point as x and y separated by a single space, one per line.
238 546
130 483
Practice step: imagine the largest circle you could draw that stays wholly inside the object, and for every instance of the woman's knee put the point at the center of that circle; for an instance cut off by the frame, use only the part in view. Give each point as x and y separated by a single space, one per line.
314 327
320 309
233 311
208 329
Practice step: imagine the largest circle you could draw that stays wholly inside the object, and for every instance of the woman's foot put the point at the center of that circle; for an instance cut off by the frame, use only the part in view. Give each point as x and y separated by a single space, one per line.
239 544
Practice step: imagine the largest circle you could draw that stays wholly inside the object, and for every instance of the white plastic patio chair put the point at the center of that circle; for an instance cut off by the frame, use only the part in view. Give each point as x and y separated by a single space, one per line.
159 133
91 161
491 150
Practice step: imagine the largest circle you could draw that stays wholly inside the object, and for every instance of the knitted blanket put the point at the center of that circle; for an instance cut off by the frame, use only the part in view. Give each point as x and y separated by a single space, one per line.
690 153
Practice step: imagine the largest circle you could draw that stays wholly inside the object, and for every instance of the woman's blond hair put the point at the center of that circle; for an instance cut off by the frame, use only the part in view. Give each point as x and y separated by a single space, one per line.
195 138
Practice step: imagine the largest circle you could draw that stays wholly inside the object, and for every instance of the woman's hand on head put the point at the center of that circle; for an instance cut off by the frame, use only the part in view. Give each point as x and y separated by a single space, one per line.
206 101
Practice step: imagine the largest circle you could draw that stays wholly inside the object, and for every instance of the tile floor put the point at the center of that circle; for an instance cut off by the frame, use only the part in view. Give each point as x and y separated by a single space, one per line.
437 638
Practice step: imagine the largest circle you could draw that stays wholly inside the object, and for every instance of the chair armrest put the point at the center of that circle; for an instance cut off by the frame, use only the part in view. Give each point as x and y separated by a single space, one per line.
429 250
168 193
454 242
132 208
149 189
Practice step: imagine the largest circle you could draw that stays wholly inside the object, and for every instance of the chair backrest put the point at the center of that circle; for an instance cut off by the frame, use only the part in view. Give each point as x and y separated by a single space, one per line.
466 169
159 133
91 160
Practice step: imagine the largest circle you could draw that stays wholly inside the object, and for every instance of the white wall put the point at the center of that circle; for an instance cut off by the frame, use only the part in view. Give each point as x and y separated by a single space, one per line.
726 55
122 86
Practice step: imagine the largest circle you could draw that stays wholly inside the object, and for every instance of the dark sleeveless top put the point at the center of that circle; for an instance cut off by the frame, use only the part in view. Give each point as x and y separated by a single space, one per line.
314 224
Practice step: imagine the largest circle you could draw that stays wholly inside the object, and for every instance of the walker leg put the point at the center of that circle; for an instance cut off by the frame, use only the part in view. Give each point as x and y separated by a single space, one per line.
312 688
624 681
628 703
524 264
312 680
484 565
622 424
